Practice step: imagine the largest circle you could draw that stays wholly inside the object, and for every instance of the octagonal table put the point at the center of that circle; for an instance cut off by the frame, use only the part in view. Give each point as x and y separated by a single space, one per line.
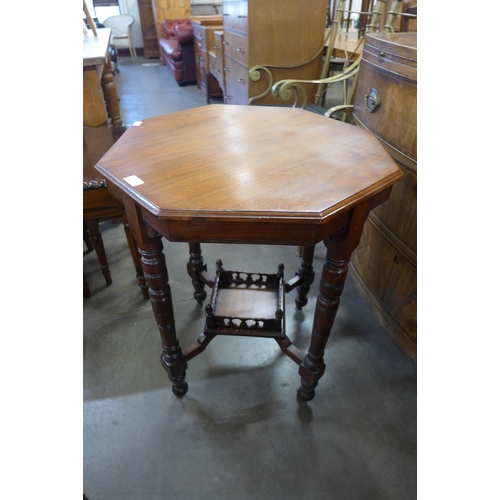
248 175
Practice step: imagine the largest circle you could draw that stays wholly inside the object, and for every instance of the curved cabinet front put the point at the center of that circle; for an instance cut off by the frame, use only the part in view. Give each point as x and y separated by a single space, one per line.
384 265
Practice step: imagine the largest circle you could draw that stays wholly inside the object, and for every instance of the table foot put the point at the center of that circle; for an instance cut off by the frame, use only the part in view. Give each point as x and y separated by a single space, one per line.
306 392
305 271
180 390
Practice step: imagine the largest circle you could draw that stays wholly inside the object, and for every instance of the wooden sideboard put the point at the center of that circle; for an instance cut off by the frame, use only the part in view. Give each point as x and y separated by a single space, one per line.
287 37
385 263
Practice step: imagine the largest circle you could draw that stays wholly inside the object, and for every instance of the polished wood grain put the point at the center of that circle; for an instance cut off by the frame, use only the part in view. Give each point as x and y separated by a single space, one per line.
385 263
248 175
228 168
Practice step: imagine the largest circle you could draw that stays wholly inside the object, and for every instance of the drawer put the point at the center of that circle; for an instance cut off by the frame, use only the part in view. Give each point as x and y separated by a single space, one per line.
234 96
235 16
236 46
216 68
236 74
218 41
199 34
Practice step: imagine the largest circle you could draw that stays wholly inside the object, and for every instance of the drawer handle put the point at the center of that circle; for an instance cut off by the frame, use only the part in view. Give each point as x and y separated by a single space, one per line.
216 47
240 50
242 17
226 14
372 101
241 80
225 43
380 57
217 70
229 97
226 69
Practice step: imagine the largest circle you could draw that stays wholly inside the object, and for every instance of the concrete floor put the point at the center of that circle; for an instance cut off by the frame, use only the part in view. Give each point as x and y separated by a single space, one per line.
239 433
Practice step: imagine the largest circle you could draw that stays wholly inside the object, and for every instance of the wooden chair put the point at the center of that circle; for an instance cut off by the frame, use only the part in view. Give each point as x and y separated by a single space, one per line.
99 205
120 32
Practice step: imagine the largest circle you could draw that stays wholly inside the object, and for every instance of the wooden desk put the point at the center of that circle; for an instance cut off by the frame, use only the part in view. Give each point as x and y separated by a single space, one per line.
99 92
98 203
347 45
248 175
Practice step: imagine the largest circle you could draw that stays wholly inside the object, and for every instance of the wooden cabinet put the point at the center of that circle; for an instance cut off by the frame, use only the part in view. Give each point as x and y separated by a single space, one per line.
148 26
204 28
287 37
385 263
217 59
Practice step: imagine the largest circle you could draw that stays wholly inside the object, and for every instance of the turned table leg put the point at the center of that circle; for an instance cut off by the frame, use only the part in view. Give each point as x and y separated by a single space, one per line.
305 271
339 248
156 275
136 258
195 265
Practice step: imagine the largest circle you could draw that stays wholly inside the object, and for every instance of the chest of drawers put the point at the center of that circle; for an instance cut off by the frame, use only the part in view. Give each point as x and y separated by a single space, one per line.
217 59
287 37
203 31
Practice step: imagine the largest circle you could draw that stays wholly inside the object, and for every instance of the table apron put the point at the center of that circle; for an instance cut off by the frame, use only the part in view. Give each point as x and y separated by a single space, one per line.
246 232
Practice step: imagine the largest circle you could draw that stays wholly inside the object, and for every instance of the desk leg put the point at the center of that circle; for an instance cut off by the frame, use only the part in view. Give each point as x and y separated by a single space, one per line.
339 248
305 271
156 275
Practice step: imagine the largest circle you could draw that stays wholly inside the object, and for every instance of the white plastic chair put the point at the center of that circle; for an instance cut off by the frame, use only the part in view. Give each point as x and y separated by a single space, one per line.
120 32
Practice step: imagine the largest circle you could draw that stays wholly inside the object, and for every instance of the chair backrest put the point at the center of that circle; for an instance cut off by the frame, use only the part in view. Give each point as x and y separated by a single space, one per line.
119 24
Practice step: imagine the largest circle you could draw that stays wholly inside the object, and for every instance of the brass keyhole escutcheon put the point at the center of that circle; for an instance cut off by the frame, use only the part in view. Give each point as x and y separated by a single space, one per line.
372 101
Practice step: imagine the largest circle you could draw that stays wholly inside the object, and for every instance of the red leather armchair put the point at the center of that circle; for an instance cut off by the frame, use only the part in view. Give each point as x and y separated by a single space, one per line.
177 50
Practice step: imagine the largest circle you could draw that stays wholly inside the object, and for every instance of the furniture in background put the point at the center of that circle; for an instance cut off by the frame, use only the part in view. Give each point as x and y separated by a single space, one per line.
329 176
148 27
204 28
98 203
169 9
121 36
295 87
283 39
216 65
100 99
385 263
177 49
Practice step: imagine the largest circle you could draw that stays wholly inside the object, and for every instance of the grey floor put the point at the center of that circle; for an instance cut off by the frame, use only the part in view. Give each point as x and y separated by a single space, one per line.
239 433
